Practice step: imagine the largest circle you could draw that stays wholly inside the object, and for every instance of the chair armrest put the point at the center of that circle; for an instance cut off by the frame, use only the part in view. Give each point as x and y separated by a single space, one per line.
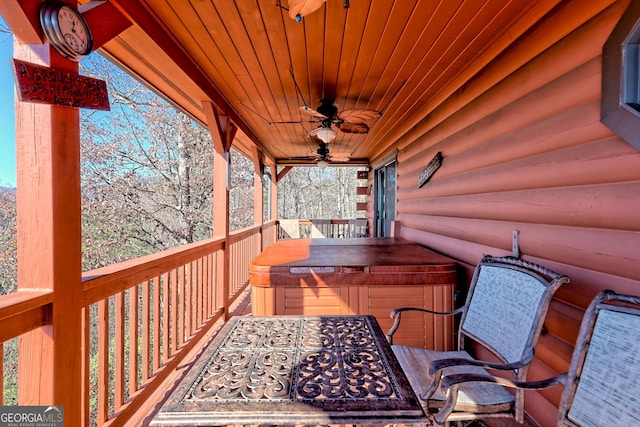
439 365
396 314
451 383
451 380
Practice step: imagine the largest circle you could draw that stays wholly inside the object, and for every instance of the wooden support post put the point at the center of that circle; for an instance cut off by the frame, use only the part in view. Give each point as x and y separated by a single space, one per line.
222 133
258 201
274 192
258 191
49 243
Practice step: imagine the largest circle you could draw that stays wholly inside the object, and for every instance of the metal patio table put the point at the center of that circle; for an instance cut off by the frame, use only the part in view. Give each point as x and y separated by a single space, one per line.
284 370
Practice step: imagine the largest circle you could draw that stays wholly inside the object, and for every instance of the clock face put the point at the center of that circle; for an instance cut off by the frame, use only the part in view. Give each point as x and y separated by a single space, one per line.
66 29
73 30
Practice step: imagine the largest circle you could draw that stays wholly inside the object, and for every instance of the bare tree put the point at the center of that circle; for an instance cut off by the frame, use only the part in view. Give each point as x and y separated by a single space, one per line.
147 173
308 192
241 191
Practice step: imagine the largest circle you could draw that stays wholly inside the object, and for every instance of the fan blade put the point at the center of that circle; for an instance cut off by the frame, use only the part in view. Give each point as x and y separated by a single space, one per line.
300 8
314 158
339 157
312 112
347 127
291 122
358 116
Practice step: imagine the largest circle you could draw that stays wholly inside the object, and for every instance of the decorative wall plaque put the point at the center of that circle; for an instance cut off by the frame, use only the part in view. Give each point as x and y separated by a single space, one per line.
430 169
46 85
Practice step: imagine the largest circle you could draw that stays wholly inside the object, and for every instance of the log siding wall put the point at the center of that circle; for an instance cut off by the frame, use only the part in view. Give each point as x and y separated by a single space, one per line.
524 149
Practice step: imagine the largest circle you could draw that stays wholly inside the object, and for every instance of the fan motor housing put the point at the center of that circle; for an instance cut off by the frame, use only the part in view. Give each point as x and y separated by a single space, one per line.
327 108
323 150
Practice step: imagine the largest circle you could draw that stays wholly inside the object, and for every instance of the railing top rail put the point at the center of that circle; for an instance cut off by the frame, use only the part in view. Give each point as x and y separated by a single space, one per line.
243 233
23 310
310 220
106 281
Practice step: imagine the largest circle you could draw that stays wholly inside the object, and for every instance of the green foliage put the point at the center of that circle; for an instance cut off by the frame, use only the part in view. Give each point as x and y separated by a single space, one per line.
8 243
10 349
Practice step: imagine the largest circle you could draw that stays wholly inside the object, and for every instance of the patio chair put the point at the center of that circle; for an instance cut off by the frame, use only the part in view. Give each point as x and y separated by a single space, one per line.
601 388
507 301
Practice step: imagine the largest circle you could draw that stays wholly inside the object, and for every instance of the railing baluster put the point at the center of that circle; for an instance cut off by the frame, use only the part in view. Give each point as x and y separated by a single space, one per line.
234 268
146 321
174 311
193 285
156 342
103 361
181 306
206 279
165 317
86 365
199 293
119 351
187 300
221 295
133 339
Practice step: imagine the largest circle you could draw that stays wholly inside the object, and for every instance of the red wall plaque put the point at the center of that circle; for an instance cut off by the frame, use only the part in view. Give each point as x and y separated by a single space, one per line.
46 85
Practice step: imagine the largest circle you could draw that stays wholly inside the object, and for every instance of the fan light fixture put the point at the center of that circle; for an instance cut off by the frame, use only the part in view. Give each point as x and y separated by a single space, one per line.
325 134
322 164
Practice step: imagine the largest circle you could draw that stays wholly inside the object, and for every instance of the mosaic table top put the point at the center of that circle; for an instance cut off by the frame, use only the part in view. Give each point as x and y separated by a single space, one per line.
294 370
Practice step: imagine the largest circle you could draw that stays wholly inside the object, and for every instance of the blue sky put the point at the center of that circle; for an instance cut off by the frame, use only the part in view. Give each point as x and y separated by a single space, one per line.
7 117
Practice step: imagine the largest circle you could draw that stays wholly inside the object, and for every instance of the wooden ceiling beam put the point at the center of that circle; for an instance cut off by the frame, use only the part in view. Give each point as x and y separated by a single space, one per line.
258 160
23 19
222 129
106 21
285 170
157 31
311 163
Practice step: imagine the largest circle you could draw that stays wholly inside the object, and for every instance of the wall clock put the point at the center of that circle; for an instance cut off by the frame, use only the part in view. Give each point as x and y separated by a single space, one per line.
66 29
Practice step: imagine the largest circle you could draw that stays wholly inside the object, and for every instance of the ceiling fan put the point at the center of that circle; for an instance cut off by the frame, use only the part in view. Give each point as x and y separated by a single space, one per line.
323 157
327 114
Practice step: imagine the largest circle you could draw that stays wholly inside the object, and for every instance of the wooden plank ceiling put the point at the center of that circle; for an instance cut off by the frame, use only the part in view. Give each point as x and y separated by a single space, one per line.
400 58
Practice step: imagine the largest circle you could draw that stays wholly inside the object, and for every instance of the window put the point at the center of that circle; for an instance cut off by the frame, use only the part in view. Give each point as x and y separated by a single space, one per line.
631 68
621 77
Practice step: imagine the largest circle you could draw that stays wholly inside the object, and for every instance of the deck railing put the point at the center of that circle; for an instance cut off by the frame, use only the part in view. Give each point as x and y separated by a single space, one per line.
141 317
332 228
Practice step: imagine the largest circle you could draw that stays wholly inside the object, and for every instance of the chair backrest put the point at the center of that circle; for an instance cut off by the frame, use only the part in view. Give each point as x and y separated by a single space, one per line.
603 387
506 304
